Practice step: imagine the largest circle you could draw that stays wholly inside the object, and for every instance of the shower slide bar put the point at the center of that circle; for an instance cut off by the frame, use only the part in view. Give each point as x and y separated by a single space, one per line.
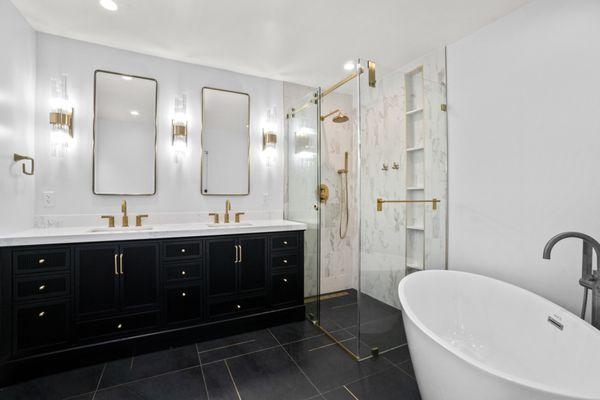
381 201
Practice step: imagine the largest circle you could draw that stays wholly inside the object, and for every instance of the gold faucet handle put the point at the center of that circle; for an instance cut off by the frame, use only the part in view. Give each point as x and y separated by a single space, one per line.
237 216
215 217
138 219
111 220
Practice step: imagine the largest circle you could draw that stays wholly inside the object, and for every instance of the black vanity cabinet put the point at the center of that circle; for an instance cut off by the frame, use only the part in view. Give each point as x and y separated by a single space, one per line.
67 299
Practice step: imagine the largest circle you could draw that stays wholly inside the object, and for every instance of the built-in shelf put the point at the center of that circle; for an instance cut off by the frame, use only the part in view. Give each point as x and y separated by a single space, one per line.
415 149
415 111
415 188
415 228
413 265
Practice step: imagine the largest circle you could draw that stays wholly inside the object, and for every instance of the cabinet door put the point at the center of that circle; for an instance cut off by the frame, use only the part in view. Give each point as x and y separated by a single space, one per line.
221 266
253 265
96 280
138 270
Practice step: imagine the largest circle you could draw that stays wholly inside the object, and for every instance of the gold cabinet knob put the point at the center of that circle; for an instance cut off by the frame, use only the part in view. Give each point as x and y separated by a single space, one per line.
183 250
183 294
41 314
238 306
183 272
42 287
119 326
285 242
41 260
285 261
285 280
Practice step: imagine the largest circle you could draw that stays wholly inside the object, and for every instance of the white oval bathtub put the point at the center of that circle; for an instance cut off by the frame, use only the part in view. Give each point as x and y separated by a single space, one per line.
477 338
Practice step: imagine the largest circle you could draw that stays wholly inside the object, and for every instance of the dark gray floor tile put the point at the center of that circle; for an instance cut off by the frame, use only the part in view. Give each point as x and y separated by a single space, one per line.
340 393
86 396
349 298
231 346
385 333
399 355
388 385
180 385
58 386
370 310
117 393
269 375
218 382
408 368
302 330
328 366
148 365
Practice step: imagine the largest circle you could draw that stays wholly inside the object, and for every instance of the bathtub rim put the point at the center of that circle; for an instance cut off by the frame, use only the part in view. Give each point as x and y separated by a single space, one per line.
407 310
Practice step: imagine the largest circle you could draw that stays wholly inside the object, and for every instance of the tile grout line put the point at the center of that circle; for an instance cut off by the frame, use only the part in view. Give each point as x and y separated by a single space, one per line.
233 380
202 372
350 391
224 347
99 380
397 366
295 363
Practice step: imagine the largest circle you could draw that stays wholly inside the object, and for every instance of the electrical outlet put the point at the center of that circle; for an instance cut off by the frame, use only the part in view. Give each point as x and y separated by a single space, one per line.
48 199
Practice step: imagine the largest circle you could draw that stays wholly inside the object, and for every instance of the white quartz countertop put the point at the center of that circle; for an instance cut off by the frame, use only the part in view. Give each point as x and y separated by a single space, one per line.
86 234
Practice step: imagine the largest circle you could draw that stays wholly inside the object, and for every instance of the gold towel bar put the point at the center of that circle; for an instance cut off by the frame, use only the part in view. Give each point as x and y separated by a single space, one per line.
433 202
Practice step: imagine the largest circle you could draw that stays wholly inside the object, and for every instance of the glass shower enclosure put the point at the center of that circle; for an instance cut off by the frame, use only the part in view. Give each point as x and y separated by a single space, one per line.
398 176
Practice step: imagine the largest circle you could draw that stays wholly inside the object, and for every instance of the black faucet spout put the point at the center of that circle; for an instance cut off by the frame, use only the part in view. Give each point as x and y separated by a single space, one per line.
586 238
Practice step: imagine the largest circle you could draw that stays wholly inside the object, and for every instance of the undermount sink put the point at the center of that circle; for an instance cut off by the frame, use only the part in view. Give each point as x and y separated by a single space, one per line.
121 229
233 225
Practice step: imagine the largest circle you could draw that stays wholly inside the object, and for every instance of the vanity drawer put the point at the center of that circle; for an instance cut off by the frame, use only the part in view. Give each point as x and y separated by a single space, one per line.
184 303
41 287
182 250
41 325
183 272
285 289
284 242
239 306
113 326
285 261
43 260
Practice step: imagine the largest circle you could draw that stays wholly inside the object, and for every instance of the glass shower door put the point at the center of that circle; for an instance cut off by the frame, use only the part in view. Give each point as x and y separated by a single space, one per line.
302 183
402 133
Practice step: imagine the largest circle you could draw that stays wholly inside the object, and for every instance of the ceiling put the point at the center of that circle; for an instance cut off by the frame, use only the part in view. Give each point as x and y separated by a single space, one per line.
301 41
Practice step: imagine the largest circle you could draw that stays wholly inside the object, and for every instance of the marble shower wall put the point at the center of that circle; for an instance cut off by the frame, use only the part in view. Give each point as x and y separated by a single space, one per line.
383 140
339 257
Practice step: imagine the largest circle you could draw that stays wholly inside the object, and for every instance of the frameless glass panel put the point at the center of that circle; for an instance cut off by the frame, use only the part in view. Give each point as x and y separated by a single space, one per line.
303 177
403 159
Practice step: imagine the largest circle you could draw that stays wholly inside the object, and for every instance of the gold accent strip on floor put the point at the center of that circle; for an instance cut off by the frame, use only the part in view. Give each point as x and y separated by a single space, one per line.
350 391
340 344
233 381
329 296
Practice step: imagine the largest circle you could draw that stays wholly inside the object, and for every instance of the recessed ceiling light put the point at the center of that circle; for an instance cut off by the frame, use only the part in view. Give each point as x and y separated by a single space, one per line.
349 66
127 78
110 5
134 113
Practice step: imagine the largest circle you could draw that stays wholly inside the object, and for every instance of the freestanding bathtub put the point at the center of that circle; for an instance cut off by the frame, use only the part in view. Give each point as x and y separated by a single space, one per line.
477 338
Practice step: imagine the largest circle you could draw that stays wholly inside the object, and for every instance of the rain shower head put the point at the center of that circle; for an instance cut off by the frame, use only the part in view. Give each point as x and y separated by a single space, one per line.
338 119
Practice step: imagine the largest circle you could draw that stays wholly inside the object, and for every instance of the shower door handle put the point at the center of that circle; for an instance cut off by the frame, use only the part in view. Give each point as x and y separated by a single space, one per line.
381 201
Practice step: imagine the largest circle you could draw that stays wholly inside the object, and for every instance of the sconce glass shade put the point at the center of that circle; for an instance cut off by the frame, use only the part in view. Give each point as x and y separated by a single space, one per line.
60 117
179 128
269 140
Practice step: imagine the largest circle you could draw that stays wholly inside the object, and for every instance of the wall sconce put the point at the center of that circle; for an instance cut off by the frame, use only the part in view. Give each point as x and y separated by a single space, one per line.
270 136
179 128
61 116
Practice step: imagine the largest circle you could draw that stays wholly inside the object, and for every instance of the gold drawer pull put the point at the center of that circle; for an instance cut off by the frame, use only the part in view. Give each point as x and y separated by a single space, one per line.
183 272
41 314
41 260
119 326
238 306
183 294
42 287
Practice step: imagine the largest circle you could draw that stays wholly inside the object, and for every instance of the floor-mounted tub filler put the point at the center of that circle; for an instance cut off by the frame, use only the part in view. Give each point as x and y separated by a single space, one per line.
476 338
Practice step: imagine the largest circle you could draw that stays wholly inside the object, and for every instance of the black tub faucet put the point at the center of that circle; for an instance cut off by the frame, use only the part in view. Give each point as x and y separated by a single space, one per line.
589 279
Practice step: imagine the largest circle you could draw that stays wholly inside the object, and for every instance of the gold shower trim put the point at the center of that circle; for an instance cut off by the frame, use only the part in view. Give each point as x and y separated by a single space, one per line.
381 201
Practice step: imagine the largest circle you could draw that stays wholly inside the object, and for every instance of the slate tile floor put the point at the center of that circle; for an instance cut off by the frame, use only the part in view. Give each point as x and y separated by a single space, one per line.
293 361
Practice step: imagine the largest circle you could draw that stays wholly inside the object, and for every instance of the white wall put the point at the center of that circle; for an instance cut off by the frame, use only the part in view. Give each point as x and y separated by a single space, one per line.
17 89
178 185
524 145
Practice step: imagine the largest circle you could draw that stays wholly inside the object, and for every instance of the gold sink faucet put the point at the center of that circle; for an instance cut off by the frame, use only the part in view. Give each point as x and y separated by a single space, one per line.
124 211
227 209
